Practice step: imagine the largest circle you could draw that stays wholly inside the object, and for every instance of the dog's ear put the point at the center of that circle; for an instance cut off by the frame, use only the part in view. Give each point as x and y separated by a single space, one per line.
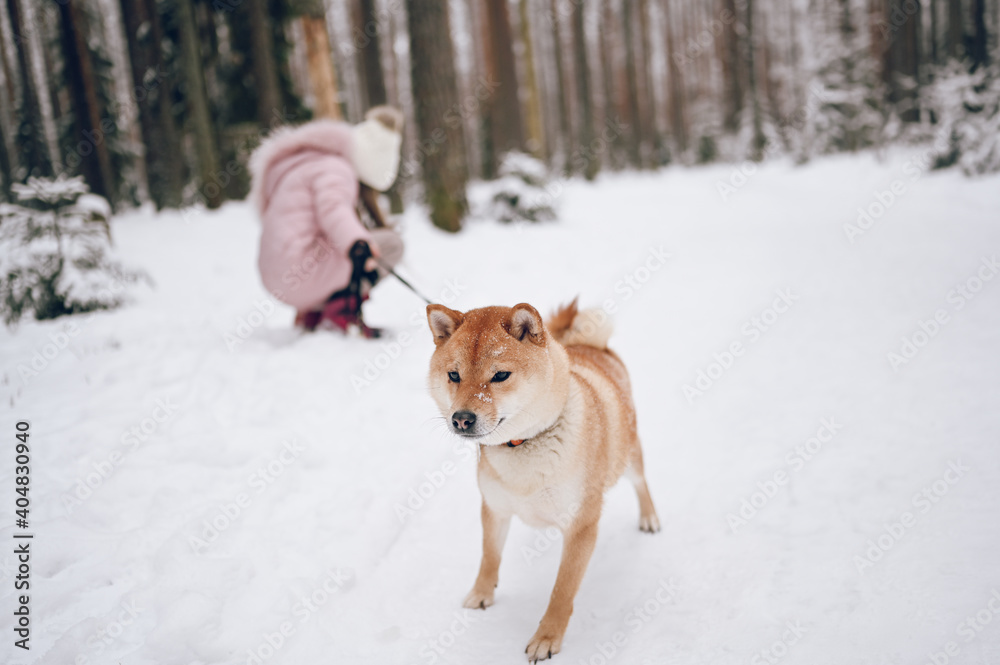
525 324
443 322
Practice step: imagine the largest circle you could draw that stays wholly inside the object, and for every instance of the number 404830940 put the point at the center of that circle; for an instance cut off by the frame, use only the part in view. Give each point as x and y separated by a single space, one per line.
21 473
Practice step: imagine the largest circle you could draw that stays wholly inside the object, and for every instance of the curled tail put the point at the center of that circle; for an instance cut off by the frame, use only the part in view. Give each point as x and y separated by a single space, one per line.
573 327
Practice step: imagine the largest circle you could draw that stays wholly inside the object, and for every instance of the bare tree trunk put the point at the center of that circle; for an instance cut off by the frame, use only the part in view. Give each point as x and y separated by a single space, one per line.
197 99
591 159
535 130
265 70
435 96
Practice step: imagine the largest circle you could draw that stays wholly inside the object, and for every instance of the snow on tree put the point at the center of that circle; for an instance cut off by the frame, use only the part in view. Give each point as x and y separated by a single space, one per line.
53 246
967 109
521 193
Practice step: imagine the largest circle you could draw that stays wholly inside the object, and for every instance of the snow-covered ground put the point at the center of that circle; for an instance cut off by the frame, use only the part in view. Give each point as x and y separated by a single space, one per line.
210 486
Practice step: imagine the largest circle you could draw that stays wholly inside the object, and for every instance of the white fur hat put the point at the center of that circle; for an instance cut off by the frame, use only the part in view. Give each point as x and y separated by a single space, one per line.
377 142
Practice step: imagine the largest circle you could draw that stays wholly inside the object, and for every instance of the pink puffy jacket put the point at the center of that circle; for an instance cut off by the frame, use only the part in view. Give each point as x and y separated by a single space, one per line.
306 191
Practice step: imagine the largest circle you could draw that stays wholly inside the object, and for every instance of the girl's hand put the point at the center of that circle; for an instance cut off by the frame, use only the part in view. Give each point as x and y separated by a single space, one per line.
371 263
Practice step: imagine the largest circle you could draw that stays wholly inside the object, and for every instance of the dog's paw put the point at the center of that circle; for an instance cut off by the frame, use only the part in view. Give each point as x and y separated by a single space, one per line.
649 523
544 644
478 600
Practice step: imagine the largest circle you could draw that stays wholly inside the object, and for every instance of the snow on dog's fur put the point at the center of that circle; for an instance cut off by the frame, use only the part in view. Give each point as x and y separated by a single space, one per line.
550 407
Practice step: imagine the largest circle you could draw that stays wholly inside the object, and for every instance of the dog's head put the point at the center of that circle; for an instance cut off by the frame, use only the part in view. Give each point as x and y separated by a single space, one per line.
494 373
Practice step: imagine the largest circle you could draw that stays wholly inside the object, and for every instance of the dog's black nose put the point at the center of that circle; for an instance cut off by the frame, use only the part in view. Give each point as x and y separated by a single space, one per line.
463 420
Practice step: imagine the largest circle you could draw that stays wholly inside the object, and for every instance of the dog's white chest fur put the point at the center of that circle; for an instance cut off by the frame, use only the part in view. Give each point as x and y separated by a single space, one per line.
540 481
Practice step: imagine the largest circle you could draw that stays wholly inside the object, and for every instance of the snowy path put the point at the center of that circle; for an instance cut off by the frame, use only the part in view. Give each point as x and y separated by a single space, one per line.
196 504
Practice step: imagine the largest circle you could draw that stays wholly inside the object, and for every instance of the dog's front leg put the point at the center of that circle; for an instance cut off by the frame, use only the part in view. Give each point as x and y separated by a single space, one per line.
495 530
578 545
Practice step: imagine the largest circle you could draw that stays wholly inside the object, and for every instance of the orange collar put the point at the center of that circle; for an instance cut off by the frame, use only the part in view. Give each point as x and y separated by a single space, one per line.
514 443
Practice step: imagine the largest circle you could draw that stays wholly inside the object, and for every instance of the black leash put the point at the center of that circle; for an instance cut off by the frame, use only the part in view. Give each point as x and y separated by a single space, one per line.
405 283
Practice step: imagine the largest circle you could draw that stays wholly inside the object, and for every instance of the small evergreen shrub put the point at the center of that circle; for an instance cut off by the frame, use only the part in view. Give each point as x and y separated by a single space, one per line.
53 246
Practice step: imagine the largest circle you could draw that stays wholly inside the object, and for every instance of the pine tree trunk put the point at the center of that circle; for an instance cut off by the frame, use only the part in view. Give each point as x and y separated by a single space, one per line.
978 49
95 162
902 58
7 117
503 108
757 141
649 105
319 60
435 94
6 172
565 127
535 130
370 60
678 123
611 119
591 158
197 100
372 74
262 56
732 75
636 130
955 42
30 135
163 164
933 7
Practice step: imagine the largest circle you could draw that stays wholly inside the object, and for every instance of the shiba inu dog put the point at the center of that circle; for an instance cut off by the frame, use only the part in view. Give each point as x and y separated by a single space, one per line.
551 409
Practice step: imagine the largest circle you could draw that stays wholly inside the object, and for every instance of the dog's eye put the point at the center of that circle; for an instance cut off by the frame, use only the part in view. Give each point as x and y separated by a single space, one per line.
500 376
454 377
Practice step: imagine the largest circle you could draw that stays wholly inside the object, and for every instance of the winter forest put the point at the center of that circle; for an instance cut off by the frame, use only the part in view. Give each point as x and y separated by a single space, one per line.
163 100
678 320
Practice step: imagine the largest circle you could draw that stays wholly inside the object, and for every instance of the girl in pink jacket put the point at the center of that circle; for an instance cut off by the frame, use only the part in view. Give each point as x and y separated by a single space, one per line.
306 185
